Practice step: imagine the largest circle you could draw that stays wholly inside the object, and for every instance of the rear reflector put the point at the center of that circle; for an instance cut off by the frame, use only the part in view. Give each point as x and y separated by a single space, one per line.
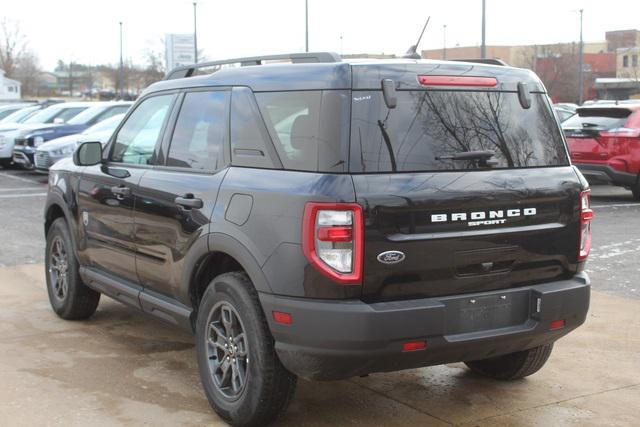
414 346
586 215
556 324
467 81
282 318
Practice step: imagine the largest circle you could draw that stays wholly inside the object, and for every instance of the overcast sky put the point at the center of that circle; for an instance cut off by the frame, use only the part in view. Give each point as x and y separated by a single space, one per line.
87 30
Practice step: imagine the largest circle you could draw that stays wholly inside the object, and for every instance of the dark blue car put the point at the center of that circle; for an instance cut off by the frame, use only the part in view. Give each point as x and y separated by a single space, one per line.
27 142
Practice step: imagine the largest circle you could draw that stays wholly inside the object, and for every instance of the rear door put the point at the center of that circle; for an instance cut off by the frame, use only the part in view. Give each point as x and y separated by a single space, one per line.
438 226
177 196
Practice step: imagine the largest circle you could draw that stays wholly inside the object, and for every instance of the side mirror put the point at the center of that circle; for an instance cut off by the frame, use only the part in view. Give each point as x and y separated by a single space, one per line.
88 154
58 121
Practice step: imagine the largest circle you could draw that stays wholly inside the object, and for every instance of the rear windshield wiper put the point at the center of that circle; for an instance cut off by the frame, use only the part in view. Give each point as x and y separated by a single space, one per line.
483 157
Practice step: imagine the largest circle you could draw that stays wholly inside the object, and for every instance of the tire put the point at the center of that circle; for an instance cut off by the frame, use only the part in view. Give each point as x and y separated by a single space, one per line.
513 366
636 192
70 298
6 163
268 387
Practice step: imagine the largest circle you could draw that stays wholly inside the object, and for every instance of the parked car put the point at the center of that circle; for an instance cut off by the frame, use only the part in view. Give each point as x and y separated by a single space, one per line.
604 142
310 219
7 109
60 112
50 152
28 141
567 106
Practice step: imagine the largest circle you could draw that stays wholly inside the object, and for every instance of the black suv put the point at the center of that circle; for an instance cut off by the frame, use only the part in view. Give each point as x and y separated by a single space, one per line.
328 219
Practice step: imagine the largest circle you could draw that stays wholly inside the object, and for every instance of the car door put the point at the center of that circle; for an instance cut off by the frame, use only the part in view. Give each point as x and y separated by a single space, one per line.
176 198
107 191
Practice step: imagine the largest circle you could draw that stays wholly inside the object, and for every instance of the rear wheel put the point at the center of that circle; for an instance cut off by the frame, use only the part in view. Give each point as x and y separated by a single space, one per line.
242 376
70 298
513 366
636 192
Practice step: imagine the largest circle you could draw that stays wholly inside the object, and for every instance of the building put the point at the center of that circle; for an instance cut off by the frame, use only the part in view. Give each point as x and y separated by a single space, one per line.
621 39
627 62
9 89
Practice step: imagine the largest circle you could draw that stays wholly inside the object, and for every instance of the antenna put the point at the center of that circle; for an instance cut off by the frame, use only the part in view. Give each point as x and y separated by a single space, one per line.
412 53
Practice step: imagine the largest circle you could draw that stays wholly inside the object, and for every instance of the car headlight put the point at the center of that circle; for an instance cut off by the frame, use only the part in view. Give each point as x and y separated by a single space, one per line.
64 151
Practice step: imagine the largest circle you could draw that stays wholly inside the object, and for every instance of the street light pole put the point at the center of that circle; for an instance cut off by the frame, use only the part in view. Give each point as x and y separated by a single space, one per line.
121 71
483 47
444 41
581 71
306 25
195 33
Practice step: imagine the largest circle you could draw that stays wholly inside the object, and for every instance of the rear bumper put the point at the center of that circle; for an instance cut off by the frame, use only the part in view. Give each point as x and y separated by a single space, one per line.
604 173
330 340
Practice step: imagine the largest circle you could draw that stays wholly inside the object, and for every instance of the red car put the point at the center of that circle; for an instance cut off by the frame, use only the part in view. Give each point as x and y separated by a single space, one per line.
604 142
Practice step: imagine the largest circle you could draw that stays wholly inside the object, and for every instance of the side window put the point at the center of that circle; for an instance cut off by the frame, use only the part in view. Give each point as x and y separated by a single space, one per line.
200 132
251 145
136 140
67 114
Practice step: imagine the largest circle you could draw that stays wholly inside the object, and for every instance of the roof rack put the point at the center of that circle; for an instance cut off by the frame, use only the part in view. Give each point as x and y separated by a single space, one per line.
488 61
295 58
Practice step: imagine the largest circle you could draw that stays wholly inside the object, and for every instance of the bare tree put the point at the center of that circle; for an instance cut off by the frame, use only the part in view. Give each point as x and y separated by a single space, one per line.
12 46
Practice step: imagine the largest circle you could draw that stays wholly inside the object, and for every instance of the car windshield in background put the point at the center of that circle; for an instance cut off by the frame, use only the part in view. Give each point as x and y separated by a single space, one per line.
106 125
598 118
427 125
20 115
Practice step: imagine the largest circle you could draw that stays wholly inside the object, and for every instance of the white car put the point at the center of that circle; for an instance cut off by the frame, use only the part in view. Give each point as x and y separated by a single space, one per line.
57 149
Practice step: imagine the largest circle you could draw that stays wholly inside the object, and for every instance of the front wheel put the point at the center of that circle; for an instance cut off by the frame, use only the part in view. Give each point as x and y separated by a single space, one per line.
242 376
636 192
513 366
70 298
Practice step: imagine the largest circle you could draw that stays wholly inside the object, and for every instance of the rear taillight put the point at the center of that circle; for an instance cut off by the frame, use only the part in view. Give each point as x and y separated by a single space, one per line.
332 240
586 215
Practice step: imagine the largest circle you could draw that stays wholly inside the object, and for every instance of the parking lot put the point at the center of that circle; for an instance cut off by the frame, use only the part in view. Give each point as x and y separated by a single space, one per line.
120 368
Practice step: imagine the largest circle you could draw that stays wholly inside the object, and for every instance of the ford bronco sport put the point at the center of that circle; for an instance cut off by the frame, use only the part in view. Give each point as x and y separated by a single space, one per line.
326 219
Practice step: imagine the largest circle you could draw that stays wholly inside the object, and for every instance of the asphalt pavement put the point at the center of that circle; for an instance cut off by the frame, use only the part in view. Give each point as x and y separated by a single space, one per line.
123 368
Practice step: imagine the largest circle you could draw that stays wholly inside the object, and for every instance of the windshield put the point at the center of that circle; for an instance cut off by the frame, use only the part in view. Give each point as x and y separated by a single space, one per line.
61 112
429 125
109 124
87 115
20 115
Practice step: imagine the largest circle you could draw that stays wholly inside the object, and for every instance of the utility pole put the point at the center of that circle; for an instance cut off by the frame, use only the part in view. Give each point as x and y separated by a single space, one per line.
306 25
70 78
444 41
121 71
195 33
483 47
580 71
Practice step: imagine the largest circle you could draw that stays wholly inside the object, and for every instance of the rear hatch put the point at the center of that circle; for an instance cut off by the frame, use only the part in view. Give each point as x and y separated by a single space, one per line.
438 226
594 134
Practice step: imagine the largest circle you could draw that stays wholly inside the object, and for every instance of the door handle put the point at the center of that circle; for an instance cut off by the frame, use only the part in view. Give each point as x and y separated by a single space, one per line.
121 190
189 202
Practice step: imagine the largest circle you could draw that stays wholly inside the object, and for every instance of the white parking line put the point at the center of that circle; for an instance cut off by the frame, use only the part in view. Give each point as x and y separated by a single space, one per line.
19 178
618 205
17 196
5 190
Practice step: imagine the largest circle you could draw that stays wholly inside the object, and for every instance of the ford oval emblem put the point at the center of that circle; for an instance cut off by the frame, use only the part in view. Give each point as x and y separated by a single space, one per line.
391 257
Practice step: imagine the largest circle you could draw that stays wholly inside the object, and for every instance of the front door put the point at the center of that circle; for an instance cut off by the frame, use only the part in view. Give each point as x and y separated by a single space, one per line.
177 198
107 192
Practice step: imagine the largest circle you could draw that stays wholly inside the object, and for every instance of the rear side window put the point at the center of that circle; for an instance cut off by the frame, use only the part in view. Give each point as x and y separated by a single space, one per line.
598 118
200 132
427 125
309 128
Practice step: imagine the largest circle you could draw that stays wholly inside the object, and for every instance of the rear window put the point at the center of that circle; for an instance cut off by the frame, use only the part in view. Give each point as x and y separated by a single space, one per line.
598 118
310 129
426 125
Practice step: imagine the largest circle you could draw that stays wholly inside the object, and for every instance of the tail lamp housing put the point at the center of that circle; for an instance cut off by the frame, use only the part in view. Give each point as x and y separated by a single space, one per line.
332 240
586 215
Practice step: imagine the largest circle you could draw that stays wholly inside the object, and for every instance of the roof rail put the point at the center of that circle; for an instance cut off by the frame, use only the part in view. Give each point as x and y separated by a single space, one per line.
295 58
488 61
